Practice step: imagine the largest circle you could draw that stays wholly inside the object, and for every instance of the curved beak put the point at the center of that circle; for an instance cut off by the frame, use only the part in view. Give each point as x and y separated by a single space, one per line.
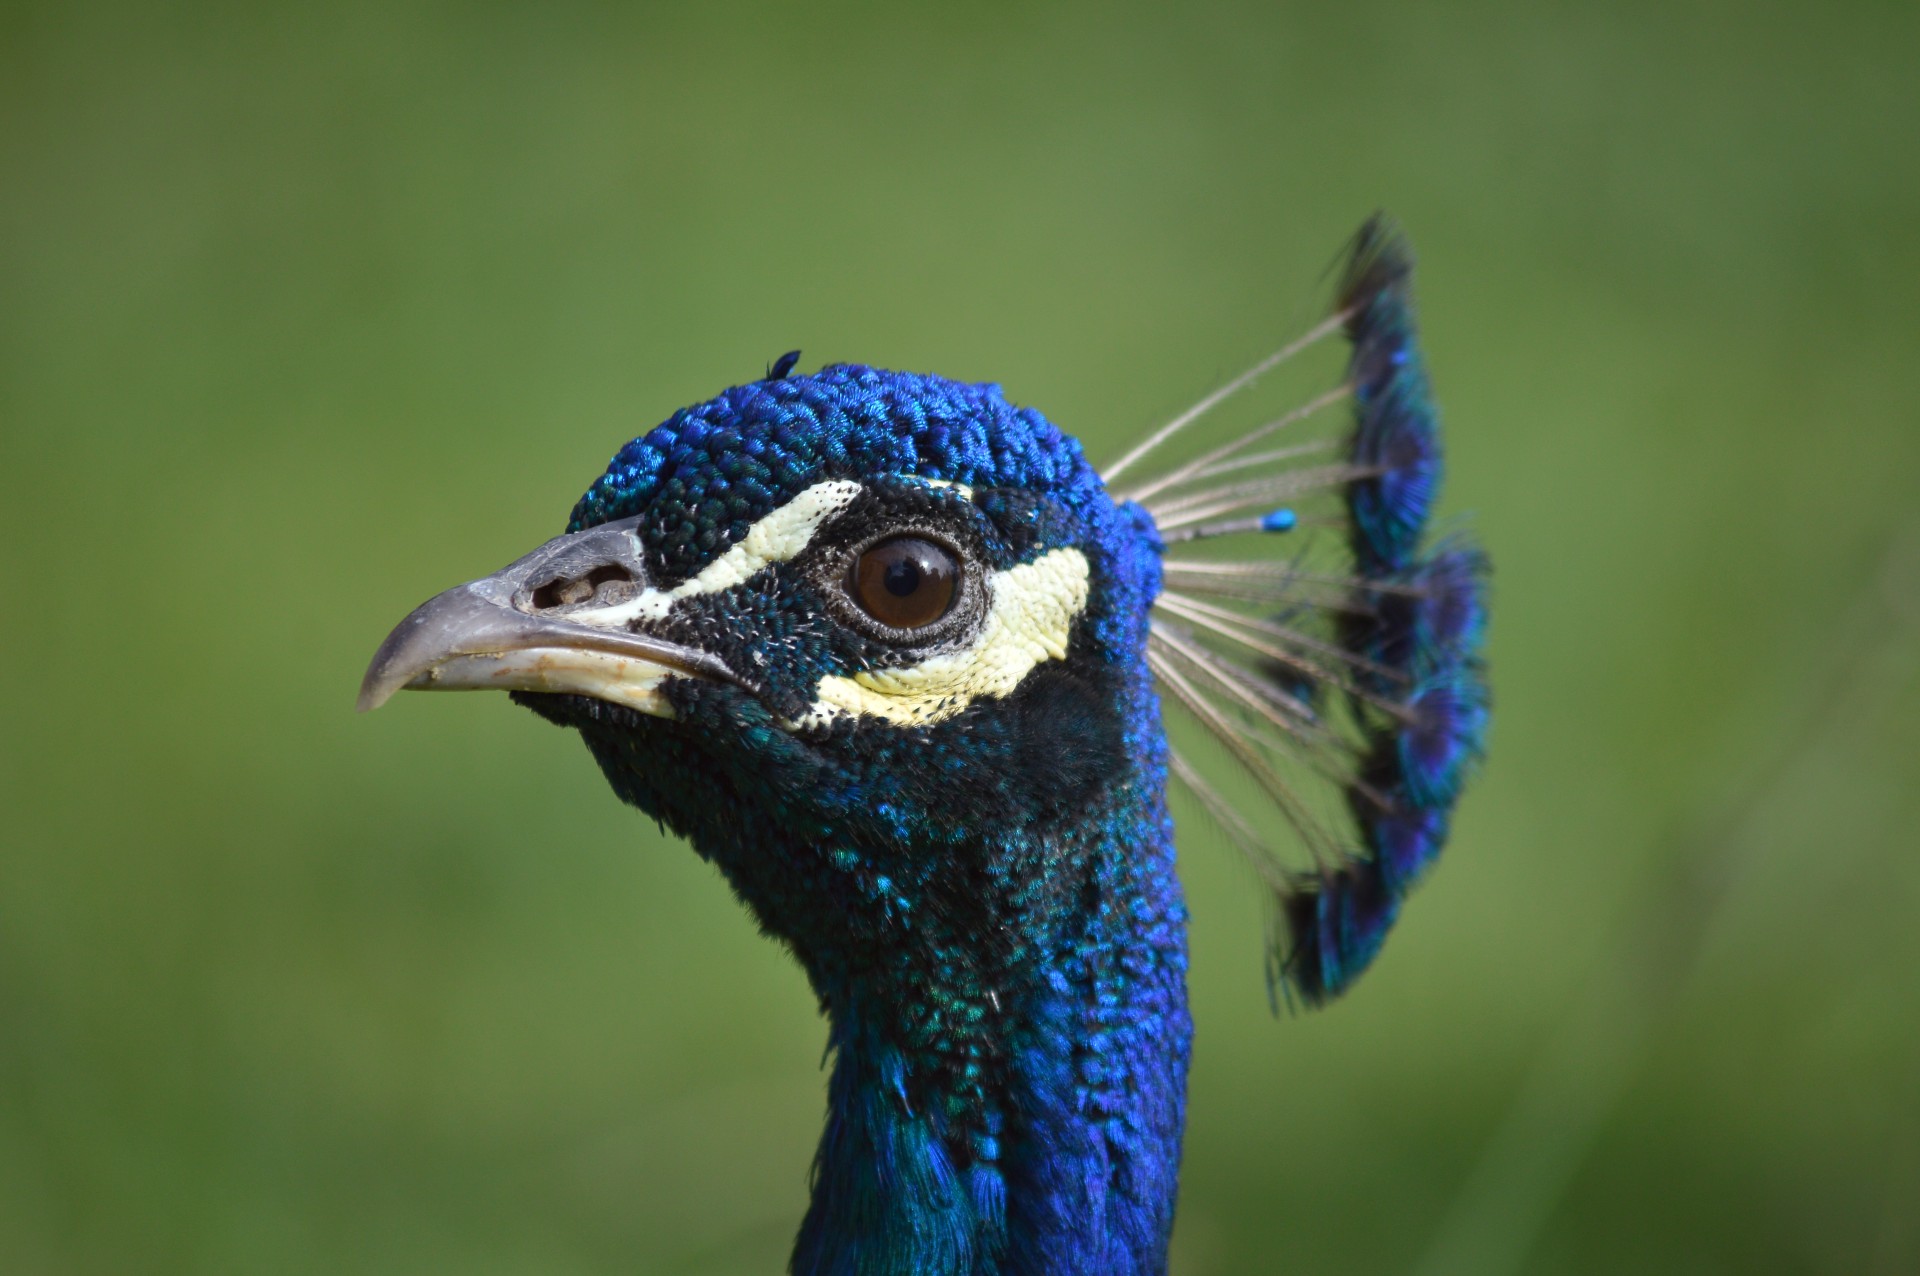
532 627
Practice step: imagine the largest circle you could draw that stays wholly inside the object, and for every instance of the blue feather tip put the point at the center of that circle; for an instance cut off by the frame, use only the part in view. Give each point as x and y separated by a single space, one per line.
1354 661
1335 924
1416 627
1396 436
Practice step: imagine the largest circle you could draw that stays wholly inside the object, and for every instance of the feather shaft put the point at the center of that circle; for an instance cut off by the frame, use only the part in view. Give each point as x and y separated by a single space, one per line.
1319 332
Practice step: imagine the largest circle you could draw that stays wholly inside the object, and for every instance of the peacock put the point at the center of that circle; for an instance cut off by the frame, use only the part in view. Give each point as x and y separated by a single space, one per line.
891 653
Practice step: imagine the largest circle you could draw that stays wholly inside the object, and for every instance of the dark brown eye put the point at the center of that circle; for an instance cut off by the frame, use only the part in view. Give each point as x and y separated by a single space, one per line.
905 582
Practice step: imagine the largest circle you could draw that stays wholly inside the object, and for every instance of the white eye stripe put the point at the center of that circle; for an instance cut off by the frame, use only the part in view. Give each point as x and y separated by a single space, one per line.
1029 620
1031 609
779 537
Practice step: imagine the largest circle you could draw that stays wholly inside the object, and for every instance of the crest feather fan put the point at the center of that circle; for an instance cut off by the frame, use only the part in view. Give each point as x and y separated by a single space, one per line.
1348 661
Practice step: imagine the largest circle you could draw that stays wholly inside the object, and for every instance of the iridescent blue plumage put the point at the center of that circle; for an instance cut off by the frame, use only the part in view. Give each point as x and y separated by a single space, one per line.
1431 617
1416 618
956 815
1397 432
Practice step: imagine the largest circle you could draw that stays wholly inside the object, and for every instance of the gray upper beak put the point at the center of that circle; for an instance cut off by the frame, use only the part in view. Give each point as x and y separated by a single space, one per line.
526 627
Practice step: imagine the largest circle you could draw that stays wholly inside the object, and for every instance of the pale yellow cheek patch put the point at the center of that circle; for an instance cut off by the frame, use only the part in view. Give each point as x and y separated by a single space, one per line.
1029 620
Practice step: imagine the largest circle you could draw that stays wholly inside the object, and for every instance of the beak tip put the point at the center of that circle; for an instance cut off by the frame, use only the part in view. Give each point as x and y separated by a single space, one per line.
404 653
372 695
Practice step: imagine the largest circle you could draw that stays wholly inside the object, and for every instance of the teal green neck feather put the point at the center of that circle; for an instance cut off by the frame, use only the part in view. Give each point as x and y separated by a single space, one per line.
1011 1039
1024 1114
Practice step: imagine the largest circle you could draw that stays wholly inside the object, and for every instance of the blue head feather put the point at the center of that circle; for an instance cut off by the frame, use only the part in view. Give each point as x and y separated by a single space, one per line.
1403 840
1444 737
1342 919
1427 619
1396 428
1423 631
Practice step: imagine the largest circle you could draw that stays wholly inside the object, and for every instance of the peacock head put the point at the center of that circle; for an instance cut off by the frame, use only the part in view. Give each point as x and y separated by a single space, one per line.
845 630
836 630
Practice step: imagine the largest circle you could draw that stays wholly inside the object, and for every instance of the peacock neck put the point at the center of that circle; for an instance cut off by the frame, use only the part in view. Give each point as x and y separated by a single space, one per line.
1011 1099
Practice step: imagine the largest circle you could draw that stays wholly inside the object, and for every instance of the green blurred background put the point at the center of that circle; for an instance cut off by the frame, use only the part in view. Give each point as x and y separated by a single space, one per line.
308 312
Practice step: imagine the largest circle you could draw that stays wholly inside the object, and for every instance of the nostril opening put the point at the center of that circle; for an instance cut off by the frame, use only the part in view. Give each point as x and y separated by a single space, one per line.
606 574
558 593
564 591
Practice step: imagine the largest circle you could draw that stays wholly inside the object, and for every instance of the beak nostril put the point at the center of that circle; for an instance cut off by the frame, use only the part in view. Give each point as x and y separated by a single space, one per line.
607 574
560 593
564 591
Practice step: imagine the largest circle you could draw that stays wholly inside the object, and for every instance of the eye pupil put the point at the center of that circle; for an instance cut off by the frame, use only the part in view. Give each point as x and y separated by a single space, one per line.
901 578
905 582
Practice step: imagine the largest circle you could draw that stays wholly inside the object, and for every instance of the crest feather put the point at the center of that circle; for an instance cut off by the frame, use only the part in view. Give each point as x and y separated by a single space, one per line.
1330 649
